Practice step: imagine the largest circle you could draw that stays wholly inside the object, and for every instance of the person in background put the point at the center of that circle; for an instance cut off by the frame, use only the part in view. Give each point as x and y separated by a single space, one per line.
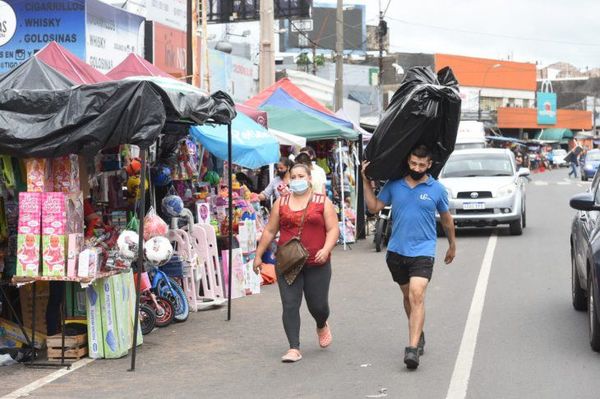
308 157
320 233
279 184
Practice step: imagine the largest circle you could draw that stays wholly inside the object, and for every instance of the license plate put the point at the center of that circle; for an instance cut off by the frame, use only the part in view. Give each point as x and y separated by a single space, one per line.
473 205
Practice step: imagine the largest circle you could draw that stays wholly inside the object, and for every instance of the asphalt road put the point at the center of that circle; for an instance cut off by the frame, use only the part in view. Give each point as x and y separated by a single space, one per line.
530 343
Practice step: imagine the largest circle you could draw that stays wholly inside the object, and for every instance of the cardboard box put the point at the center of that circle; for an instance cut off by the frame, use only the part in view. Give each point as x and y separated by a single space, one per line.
89 262
74 248
42 291
130 284
113 348
94 320
54 239
29 231
65 171
38 175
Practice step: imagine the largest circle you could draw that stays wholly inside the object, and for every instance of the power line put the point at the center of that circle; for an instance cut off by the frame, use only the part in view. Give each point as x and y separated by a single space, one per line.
494 34
386 8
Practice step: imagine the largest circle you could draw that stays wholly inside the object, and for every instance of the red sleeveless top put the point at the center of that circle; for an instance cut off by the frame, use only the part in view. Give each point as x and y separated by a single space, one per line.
313 233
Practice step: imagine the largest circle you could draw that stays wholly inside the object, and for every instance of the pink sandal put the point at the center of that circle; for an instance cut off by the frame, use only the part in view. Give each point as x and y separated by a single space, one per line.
291 356
325 337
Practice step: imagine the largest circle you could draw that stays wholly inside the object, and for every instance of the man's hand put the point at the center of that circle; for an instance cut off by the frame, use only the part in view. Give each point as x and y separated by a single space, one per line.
450 254
365 164
257 265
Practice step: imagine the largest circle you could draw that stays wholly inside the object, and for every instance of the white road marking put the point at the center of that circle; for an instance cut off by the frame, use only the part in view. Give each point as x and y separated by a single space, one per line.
563 183
464 361
27 389
540 183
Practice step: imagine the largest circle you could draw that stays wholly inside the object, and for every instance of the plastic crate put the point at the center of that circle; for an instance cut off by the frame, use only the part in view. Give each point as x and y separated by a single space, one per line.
173 268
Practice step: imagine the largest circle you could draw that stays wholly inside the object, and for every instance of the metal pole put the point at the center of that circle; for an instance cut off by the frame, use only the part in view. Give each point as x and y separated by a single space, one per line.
266 63
380 34
189 67
360 200
205 47
341 163
140 260
314 60
339 56
230 252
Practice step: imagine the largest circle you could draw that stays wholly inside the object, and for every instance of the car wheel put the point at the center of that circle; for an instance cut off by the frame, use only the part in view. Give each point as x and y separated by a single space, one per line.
524 218
577 293
594 326
584 177
516 227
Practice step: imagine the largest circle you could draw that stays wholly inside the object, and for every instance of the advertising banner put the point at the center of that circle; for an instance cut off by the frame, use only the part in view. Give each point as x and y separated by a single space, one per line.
172 13
546 108
244 76
26 26
111 35
169 49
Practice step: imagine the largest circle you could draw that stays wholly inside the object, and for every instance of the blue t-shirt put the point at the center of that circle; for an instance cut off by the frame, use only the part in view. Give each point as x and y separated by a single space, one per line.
413 213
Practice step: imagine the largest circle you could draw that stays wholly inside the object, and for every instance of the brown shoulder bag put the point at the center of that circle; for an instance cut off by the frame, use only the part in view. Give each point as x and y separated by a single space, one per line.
292 255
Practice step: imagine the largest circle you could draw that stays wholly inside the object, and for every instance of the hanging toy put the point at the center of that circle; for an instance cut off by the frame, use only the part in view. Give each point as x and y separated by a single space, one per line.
158 251
154 226
127 243
161 175
172 205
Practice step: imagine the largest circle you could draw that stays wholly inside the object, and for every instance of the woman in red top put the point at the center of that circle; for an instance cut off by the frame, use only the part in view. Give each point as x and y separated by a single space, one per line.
319 236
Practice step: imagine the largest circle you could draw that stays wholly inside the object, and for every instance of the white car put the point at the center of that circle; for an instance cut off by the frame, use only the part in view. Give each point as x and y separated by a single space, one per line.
485 188
558 157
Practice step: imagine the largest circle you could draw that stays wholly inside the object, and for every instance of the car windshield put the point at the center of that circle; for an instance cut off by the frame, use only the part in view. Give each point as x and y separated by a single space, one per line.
473 165
593 156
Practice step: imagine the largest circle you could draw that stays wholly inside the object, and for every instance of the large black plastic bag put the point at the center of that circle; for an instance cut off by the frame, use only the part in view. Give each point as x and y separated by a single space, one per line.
424 110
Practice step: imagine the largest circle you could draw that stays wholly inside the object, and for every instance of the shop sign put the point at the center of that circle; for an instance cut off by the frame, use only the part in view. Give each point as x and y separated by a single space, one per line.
26 26
170 49
546 108
172 13
111 34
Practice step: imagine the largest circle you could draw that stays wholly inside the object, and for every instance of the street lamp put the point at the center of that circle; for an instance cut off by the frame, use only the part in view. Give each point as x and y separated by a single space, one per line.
483 84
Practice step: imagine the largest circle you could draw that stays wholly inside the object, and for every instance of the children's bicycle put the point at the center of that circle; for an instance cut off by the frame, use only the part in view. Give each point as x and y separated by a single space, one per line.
166 287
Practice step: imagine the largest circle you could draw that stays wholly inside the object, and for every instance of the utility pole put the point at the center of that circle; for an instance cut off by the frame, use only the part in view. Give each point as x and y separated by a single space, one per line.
266 63
381 32
206 80
339 56
194 38
189 62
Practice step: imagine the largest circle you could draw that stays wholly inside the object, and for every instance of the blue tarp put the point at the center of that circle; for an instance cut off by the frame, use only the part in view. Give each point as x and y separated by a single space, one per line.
280 98
253 146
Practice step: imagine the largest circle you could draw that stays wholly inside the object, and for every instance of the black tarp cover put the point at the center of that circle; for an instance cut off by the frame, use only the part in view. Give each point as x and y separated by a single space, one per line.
34 74
88 118
424 110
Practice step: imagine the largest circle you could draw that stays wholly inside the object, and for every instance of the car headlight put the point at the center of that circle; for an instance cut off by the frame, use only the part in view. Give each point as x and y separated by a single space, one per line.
507 190
589 166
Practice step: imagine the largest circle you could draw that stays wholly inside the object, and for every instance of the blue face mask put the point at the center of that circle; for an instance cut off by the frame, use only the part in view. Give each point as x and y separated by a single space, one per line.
299 186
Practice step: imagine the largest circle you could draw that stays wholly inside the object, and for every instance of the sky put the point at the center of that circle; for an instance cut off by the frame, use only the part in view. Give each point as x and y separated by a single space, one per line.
543 31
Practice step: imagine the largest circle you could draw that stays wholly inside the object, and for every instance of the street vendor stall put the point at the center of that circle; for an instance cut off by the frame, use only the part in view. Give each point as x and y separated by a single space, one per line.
86 119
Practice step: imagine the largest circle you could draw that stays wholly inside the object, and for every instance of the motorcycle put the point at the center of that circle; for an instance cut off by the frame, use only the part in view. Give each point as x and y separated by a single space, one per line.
383 228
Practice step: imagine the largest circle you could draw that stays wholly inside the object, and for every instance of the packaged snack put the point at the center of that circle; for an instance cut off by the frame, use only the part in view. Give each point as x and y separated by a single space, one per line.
29 230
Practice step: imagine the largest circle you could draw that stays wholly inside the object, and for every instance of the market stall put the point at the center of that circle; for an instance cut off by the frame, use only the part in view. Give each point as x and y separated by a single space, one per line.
48 126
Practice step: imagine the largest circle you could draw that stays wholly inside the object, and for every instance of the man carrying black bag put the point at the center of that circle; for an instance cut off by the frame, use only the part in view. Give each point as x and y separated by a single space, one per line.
415 199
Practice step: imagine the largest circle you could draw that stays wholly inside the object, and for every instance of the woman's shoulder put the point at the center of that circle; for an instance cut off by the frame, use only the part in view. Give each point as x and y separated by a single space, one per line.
319 198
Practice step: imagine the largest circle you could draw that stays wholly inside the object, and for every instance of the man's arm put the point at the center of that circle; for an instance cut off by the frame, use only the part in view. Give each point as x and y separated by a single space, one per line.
448 226
374 205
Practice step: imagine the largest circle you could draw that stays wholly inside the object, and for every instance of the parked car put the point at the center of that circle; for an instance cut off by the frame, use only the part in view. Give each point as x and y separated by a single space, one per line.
585 258
589 164
485 188
557 157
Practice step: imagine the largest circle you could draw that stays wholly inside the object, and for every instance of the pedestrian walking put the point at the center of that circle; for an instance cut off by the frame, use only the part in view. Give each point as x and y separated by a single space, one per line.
411 248
313 218
308 156
279 183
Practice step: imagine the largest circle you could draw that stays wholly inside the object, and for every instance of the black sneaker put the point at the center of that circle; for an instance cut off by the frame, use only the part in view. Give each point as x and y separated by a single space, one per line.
411 357
421 345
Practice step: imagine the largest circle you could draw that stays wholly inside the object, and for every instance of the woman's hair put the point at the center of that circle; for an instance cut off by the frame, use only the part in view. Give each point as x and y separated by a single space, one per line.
303 158
301 166
286 162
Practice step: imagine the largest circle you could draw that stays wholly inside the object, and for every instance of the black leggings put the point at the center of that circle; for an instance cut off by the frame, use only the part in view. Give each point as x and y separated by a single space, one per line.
314 282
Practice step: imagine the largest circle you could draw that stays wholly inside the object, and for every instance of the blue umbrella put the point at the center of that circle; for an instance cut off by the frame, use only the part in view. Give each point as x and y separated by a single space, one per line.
253 145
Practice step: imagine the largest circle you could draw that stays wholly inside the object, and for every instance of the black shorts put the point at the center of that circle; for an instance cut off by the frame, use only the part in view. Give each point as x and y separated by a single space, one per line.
405 267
